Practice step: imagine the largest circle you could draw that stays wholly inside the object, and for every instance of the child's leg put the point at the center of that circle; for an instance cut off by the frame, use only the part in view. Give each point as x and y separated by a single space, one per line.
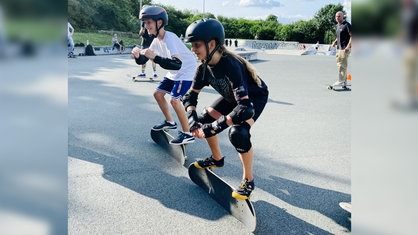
181 113
214 147
180 88
154 66
143 68
159 95
247 164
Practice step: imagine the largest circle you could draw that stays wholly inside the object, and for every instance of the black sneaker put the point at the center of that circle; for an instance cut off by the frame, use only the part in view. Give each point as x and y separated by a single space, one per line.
244 191
209 163
142 75
164 126
183 138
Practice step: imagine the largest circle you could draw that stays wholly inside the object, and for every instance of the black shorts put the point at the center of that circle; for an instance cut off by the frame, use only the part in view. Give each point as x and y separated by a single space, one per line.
224 107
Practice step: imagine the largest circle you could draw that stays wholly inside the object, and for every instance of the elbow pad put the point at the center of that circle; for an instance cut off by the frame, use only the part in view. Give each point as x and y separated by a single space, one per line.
242 112
166 63
190 99
141 60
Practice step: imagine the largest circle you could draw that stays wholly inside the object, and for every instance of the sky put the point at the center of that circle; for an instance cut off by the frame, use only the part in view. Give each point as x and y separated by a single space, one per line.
287 11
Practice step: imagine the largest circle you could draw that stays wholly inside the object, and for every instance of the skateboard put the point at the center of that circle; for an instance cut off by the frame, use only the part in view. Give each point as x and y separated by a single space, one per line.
342 87
163 138
339 87
221 192
346 206
151 79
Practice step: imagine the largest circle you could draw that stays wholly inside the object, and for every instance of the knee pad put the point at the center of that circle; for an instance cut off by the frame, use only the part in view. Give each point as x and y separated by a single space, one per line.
239 135
205 117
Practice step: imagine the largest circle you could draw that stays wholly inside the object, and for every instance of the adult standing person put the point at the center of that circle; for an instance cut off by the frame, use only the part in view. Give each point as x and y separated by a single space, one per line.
410 57
70 40
146 42
170 53
243 98
343 42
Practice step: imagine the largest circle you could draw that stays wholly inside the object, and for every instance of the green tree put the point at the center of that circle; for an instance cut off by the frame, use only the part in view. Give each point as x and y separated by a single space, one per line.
177 20
243 26
230 27
376 17
285 32
268 30
199 16
272 18
325 18
122 15
329 36
119 15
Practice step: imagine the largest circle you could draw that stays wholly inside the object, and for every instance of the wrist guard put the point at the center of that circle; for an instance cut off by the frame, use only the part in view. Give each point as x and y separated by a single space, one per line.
141 60
193 120
211 129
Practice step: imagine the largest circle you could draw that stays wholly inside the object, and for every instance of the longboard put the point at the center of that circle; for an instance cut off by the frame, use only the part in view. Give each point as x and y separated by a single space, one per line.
346 206
339 87
135 77
163 138
143 78
221 192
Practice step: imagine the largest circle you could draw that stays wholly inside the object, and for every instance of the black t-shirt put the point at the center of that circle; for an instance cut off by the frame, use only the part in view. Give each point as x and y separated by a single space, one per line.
231 79
411 24
343 35
146 39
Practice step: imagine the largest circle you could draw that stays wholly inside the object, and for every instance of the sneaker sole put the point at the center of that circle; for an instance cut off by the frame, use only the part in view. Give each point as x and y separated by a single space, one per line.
187 142
210 167
239 196
165 128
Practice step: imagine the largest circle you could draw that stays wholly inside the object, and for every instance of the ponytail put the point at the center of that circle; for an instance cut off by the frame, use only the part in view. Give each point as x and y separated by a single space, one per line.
250 68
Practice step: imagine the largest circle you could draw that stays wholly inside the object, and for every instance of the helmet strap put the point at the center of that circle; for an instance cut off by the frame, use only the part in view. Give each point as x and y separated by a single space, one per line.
157 28
208 57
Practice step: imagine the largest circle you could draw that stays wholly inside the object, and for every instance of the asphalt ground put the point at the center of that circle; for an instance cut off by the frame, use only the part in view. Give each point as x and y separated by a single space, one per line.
121 182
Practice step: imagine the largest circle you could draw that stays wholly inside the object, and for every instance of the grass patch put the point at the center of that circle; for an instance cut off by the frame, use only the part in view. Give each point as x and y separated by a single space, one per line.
101 39
36 30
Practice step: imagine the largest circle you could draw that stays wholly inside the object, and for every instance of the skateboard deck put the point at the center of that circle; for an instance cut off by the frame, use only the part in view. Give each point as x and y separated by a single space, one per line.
346 206
339 87
143 78
135 77
163 139
221 192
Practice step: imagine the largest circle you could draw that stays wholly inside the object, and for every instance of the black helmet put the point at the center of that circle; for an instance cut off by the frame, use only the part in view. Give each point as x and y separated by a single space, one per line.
155 13
205 30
